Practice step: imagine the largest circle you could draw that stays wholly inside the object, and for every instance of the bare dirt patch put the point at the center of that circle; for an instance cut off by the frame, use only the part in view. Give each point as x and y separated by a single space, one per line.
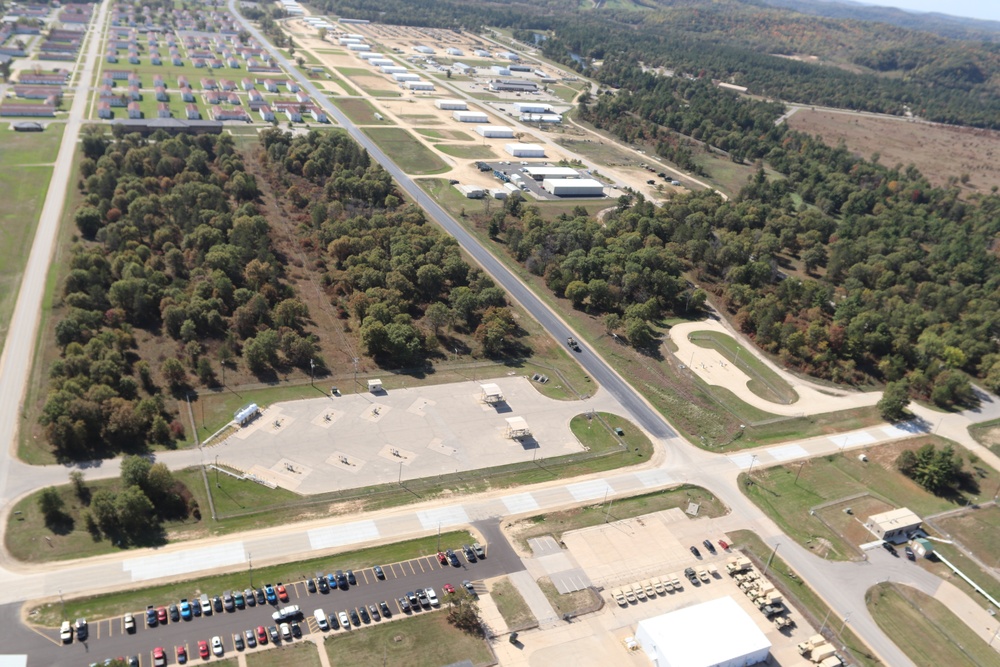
938 151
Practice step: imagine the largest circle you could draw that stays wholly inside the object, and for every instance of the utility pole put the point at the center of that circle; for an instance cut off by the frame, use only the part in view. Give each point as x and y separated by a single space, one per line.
217 485
848 617
776 545
400 480
753 459
799 471
439 536
355 375
312 368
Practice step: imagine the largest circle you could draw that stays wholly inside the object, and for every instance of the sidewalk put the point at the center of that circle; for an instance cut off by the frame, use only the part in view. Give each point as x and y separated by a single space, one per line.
534 597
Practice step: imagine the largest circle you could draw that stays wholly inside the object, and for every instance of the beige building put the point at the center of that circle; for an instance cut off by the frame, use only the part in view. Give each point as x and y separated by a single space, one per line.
894 525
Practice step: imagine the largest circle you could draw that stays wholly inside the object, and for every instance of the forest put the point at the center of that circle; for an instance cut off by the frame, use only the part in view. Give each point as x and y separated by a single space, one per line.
874 66
175 277
841 267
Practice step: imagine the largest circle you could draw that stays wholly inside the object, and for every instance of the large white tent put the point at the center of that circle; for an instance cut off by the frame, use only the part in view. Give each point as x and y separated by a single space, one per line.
491 393
517 427
717 633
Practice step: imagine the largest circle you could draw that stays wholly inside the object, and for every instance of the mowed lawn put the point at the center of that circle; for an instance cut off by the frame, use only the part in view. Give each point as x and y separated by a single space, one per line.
305 654
423 640
925 630
24 189
406 151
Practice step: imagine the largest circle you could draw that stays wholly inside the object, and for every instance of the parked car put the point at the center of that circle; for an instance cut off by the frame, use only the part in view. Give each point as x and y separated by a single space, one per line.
321 621
159 657
311 585
129 622
296 630
448 588
364 614
344 621
355 619
286 632
334 622
694 550
480 550
378 572
251 638
909 553
424 600
351 579
724 545
282 593
182 655
470 555
404 604
206 604
286 613
175 614
432 597
238 642
261 597
413 599
373 610
452 558
203 649
250 597
708 545
161 614
272 630
272 597
66 632
239 600
384 606
442 558
323 585
891 549
469 587
152 620
217 648
185 609
261 635
81 629
217 603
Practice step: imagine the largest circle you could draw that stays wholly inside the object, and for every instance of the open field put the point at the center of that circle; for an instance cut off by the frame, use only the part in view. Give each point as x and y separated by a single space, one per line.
511 605
787 493
557 523
411 155
468 152
24 189
977 529
304 654
425 640
763 381
361 112
116 604
801 595
924 629
938 151
456 135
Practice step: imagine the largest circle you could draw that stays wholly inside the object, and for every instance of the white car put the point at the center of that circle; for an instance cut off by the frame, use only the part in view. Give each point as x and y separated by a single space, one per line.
321 621
286 632
217 645
345 622
432 597
66 632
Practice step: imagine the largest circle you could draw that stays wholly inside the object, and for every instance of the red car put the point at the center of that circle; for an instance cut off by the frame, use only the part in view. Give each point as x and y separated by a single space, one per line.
161 615
724 545
282 593
442 558
159 657
261 635
182 655
448 588
203 648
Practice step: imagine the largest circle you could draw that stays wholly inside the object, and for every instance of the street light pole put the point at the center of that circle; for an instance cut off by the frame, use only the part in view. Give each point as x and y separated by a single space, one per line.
799 471
439 536
355 375
846 619
400 480
217 485
823 627
766 567
753 459
312 375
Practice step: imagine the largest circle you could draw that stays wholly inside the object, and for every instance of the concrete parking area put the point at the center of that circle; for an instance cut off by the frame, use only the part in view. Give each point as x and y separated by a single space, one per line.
356 440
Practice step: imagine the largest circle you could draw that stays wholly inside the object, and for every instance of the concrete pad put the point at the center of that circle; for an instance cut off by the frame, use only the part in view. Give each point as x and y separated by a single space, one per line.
904 429
490 615
342 461
520 502
553 497
336 536
787 452
852 439
654 478
185 562
375 412
327 418
742 460
539 605
443 517
437 446
570 580
404 456
417 407
596 488
545 545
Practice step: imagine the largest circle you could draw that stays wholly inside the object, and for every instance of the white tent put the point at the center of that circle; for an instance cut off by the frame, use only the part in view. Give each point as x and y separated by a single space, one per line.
491 393
374 386
517 427
678 639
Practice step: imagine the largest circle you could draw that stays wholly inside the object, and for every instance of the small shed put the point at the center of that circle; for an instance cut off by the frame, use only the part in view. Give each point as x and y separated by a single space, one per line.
923 547
375 386
491 393
517 427
894 525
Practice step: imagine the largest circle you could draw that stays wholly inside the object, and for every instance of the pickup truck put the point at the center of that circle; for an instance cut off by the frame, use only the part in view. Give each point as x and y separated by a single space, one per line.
291 611
573 344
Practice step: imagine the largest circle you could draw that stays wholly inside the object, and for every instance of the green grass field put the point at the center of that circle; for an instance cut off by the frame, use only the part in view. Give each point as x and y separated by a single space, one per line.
456 135
467 152
24 188
820 480
115 604
423 640
511 605
764 382
361 112
925 630
411 155
304 654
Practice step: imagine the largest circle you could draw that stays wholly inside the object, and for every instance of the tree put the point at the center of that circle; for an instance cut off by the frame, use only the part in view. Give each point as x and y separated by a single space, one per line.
438 316
261 351
639 333
88 221
159 482
936 470
136 514
79 487
895 398
135 471
577 292
174 373
464 612
51 505
102 507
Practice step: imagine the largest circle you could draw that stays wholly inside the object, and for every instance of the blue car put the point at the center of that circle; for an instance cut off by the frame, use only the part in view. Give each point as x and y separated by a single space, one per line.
151 619
185 609
269 593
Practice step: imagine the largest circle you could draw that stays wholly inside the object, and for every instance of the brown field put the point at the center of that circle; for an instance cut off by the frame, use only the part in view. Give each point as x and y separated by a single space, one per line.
938 151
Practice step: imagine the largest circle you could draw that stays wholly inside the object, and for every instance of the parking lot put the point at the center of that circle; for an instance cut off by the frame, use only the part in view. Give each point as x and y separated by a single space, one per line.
361 439
107 637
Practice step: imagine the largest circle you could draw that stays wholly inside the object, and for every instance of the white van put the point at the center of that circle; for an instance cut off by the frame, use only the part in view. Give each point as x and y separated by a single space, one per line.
321 621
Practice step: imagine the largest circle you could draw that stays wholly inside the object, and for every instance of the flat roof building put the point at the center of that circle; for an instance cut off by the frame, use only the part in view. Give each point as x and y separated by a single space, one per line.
525 150
717 633
573 187
513 86
495 131
541 173
894 525
451 105
470 116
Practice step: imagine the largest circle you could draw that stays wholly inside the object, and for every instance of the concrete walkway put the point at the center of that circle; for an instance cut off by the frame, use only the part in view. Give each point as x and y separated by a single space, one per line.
534 597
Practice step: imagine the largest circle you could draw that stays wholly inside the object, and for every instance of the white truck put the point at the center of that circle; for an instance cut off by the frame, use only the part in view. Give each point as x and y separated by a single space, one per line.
291 611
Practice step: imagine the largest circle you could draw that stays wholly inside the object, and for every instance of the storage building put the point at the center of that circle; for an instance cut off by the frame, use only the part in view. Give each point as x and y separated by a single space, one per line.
678 639
359 47
541 173
418 85
470 116
452 51
451 105
500 70
495 132
380 62
470 191
532 107
573 187
392 69
894 525
540 118
370 55
525 150
347 41
405 76
513 86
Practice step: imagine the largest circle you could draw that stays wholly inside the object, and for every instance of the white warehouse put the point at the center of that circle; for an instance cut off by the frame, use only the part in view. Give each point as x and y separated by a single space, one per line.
419 85
347 41
532 107
678 639
573 187
500 70
495 132
392 69
358 47
371 55
525 150
470 117
406 76
380 62
452 51
541 173
451 105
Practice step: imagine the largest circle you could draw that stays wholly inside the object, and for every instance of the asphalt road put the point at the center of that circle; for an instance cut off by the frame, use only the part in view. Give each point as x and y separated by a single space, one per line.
108 638
599 371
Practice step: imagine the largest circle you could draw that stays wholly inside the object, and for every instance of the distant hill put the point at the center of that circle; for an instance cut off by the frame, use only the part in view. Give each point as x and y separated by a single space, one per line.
945 25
